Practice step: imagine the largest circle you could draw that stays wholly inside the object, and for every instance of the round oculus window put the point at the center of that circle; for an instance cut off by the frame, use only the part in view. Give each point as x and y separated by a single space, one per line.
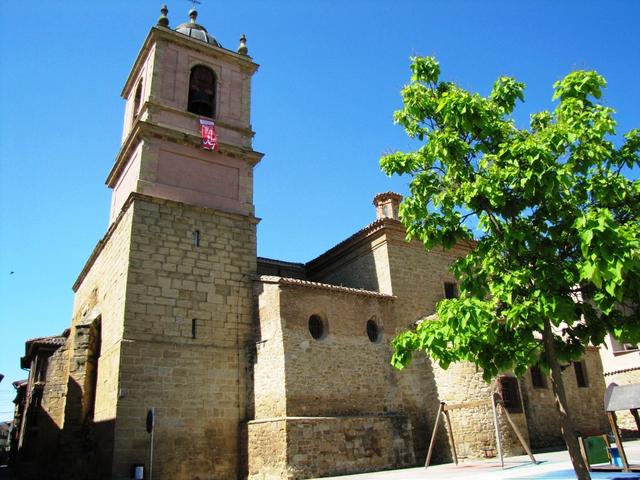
316 326
373 331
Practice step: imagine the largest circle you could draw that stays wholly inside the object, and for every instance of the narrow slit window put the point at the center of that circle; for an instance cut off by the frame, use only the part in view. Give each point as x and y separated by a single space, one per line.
137 99
196 238
194 328
537 377
581 374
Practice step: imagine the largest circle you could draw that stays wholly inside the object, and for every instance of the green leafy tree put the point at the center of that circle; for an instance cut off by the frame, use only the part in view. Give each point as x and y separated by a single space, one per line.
556 265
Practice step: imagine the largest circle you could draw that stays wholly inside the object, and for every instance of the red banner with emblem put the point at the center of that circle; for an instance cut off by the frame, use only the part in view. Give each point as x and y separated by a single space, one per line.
209 135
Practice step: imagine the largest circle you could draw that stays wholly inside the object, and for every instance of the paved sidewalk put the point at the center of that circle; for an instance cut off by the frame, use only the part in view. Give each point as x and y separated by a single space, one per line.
551 466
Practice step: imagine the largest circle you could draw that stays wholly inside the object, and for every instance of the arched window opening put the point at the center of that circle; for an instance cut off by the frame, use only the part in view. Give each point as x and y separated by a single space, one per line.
202 91
137 99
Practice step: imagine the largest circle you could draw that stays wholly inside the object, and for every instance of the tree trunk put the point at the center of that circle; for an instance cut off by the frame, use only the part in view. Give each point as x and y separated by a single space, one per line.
560 398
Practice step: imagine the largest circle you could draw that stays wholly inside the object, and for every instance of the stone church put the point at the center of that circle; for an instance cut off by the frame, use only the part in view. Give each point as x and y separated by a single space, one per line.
255 368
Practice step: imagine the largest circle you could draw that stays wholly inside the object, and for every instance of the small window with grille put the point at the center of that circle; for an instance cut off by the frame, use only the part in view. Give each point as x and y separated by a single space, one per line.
510 394
450 290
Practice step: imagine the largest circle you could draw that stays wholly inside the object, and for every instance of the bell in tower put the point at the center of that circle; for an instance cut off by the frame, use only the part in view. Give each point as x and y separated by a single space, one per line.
202 91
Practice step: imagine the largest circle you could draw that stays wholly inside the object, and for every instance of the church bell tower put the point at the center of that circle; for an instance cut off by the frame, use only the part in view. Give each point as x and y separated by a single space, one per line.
180 77
170 283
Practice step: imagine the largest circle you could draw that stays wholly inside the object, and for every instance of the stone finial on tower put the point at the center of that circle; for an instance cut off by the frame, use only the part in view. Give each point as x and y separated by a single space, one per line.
387 205
242 49
163 20
193 14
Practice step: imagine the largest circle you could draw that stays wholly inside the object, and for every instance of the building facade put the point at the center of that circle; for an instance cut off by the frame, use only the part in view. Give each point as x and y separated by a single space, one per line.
255 368
621 363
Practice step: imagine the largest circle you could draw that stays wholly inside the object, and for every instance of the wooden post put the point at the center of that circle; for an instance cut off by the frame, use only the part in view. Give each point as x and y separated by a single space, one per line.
451 439
496 424
517 432
616 434
433 434
583 451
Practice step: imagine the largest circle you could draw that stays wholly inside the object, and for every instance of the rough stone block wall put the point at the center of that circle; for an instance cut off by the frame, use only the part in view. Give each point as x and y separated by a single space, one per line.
48 418
473 428
192 373
267 449
626 422
101 290
419 396
326 446
341 445
342 373
418 278
365 265
267 395
54 393
586 405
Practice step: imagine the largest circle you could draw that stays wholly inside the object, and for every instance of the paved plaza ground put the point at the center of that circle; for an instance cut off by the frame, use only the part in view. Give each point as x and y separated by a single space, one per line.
551 466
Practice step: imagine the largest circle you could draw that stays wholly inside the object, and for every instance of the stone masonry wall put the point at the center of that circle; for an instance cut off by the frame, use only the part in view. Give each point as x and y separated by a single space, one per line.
342 373
193 374
48 419
473 428
99 292
363 266
267 395
341 445
586 405
417 383
53 395
417 280
267 449
327 446
417 277
343 410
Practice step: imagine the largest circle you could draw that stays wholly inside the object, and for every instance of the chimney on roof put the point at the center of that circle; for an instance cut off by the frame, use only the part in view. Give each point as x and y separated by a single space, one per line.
387 205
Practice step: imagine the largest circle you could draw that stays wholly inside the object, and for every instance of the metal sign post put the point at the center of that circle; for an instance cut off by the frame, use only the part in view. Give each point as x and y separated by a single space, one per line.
497 427
150 424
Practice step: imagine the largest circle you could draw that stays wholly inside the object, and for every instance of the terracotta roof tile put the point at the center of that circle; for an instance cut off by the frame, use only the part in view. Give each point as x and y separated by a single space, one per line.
279 262
53 340
386 195
624 370
372 227
295 282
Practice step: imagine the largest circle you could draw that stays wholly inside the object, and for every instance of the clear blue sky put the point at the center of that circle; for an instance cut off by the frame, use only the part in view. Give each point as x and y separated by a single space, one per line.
323 99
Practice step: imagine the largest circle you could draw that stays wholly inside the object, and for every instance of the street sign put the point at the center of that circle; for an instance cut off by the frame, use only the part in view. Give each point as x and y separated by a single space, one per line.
150 419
